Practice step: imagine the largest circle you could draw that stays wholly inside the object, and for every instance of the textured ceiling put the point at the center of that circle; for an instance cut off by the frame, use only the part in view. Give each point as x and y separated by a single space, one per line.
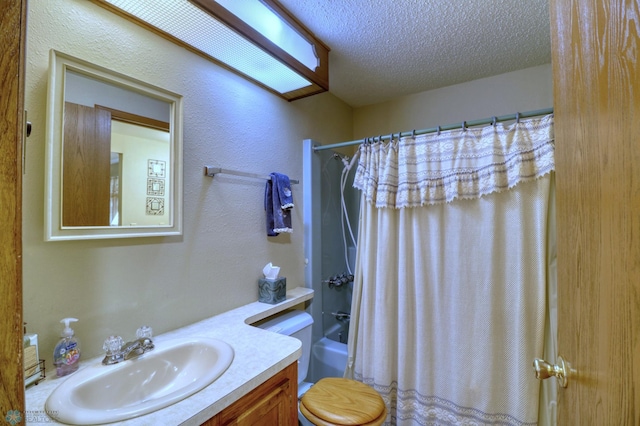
381 49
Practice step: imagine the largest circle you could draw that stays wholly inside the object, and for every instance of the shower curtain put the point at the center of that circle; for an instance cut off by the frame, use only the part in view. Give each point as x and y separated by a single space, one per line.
454 262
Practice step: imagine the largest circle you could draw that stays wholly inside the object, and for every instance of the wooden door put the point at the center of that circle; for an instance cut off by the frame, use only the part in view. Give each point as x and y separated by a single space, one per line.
86 167
12 22
596 49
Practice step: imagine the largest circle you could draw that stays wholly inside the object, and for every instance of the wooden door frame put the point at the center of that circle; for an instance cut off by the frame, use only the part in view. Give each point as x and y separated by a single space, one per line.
13 15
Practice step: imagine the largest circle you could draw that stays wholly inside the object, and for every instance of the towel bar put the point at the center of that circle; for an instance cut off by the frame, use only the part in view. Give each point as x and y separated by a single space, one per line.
212 171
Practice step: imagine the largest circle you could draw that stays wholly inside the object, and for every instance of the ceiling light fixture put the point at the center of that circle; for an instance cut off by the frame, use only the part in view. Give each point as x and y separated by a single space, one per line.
258 39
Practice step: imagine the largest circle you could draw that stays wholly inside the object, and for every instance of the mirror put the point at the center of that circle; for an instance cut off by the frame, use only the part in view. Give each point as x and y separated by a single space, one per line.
114 154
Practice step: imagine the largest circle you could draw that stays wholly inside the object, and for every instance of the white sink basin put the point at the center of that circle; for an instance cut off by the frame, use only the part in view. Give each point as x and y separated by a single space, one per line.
174 370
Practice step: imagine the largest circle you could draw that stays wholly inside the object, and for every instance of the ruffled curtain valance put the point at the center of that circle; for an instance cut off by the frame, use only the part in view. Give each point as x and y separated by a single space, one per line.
459 164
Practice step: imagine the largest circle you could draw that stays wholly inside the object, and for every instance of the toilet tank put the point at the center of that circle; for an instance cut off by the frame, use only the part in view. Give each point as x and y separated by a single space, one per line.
296 324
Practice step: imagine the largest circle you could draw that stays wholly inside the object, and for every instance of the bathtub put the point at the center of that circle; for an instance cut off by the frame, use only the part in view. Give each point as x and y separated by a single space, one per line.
339 332
329 358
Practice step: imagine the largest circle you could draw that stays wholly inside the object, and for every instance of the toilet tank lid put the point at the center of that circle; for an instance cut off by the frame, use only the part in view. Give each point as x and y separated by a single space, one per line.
288 322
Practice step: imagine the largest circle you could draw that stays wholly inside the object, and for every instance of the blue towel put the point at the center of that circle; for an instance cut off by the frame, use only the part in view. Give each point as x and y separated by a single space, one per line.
278 201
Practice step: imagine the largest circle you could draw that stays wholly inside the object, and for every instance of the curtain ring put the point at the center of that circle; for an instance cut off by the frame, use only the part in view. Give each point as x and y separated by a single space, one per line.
380 138
439 129
391 137
413 133
517 117
464 126
495 120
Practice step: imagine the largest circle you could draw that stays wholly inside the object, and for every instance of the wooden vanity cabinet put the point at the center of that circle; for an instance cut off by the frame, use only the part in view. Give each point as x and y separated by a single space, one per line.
275 402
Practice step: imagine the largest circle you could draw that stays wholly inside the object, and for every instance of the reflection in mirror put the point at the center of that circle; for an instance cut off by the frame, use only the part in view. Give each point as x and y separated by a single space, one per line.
114 155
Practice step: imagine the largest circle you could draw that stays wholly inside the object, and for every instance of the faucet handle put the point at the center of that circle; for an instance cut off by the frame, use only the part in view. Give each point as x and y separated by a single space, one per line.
113 344
144 331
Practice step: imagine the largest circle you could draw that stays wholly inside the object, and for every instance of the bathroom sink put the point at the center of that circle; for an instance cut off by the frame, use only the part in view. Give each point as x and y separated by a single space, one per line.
174 370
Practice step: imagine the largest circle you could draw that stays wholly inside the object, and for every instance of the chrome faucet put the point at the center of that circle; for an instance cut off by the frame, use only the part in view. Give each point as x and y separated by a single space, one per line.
339 280
136 348
118 351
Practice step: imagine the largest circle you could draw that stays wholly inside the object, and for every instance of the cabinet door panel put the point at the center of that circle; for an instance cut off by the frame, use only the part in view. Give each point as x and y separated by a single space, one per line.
269 410
275 402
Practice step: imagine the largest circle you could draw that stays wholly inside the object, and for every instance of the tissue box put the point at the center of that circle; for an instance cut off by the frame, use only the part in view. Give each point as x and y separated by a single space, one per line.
272 291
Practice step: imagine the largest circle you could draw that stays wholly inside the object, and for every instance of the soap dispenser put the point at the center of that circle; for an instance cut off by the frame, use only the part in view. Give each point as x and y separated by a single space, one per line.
66 355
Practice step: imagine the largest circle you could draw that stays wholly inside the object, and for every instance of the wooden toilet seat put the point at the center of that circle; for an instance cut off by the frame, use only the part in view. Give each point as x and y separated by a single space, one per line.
335 401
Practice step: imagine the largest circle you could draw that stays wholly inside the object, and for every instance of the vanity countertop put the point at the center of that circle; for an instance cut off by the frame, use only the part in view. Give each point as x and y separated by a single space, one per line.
259 355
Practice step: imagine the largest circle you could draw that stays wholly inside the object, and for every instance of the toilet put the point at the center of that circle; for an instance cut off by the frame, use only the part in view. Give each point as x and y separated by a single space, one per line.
333 401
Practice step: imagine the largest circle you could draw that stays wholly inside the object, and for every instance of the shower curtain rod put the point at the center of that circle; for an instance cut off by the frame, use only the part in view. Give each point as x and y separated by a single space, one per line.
465 124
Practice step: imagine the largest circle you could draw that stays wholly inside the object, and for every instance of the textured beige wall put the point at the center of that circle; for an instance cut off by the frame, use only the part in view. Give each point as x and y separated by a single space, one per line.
525 90
113 286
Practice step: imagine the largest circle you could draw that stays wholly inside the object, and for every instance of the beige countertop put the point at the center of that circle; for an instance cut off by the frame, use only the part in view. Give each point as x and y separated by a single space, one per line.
258 355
